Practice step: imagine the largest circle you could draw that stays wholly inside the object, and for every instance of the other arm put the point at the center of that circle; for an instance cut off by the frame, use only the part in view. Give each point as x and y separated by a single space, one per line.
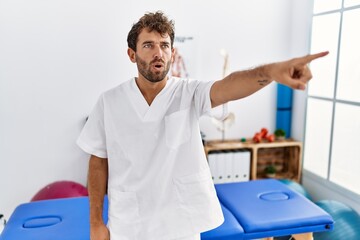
293 73
97 185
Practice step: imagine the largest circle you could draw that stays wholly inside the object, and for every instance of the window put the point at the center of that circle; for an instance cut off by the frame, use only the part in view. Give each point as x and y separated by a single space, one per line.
325 32
318 136
349 58
350 3
332 133
345 162
327 5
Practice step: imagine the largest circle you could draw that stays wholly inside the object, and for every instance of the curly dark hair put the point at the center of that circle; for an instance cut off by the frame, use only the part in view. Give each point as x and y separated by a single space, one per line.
152 21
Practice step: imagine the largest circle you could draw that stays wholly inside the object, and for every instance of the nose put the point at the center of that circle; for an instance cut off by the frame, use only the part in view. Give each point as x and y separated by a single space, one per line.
158 53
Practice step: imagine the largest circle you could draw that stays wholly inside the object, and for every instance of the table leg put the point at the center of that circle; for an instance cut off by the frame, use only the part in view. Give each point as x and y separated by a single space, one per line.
303 236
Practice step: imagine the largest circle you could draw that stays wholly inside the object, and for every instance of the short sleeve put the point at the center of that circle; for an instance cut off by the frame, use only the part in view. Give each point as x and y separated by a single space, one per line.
92 137
202 97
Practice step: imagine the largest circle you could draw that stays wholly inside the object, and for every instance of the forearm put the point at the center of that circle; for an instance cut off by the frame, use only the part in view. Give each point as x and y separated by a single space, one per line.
97 185
240 84
293 73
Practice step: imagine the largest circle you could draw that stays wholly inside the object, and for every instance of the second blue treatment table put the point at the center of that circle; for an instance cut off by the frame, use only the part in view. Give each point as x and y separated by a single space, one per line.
252 210
265 209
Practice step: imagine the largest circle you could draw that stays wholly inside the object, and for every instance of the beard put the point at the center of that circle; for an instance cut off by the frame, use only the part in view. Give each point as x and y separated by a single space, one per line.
145 69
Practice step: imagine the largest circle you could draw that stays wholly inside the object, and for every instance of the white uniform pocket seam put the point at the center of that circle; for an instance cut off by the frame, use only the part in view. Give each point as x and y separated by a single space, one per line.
124 205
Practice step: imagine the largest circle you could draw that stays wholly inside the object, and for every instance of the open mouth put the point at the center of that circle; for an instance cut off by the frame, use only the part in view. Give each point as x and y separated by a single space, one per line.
158 66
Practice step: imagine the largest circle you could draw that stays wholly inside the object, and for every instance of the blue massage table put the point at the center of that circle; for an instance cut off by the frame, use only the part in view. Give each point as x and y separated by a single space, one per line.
252 210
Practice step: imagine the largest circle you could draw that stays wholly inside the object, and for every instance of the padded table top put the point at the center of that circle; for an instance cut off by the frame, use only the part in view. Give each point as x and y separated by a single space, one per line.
269 208
56 219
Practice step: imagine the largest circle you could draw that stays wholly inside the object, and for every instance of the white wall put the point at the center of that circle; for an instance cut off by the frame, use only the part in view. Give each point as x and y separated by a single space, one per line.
57 56
253 32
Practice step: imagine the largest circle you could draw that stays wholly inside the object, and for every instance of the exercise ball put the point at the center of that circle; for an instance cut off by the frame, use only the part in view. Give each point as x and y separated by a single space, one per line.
60 189
347 221
296 187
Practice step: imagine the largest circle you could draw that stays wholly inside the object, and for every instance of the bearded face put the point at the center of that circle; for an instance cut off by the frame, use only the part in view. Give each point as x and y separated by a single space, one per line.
154 71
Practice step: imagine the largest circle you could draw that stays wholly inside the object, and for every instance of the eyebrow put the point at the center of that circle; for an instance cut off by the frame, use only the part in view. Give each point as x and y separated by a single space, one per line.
152 42
147 42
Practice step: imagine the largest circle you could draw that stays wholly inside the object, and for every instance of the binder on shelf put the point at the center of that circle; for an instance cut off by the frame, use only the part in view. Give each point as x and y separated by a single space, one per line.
221 167
228 162
241 166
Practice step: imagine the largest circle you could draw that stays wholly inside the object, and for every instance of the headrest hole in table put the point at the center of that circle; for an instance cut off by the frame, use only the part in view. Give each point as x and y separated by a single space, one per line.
41 222
274 196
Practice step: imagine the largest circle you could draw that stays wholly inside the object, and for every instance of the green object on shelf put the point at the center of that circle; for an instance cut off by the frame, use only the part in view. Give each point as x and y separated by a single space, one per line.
280 132
270 169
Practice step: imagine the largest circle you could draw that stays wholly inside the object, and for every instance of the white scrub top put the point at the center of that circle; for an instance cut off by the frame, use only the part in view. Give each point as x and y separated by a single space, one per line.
159 185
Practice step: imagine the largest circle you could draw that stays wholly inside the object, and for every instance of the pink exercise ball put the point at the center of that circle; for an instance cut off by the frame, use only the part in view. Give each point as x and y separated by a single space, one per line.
60 189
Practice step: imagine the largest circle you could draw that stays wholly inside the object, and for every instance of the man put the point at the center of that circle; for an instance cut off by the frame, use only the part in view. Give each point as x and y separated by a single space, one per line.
145 146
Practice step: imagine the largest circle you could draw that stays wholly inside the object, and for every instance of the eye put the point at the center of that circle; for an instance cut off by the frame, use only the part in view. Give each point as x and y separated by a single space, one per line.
165 46
147 45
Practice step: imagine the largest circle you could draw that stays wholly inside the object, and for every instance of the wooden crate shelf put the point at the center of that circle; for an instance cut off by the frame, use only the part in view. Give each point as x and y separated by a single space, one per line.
285 155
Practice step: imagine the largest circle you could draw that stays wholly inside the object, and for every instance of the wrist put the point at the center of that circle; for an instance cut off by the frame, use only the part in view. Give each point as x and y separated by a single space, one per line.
96 222
268 71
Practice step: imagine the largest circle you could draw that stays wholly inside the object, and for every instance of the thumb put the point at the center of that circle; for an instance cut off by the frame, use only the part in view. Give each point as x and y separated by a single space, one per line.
294 83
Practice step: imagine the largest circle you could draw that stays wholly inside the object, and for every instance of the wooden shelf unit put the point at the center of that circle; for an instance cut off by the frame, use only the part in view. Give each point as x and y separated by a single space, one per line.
286 155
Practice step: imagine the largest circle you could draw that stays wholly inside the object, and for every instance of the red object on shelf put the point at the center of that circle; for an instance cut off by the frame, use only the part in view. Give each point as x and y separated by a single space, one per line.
264 132
257 137
271 138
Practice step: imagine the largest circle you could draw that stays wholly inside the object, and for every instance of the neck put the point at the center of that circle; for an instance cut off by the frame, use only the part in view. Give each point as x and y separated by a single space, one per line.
150 89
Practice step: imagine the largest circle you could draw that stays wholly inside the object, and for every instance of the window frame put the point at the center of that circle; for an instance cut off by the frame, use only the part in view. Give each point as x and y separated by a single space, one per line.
326 182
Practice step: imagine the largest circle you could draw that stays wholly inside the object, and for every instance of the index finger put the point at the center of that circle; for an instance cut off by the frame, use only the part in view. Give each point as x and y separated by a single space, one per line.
311 57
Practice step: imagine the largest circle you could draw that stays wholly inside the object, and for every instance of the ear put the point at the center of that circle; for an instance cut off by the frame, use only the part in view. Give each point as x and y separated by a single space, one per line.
132 55
173 51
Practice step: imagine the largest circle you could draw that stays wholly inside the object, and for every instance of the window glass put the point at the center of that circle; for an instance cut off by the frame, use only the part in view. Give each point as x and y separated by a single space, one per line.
349 62
345 163
317 136
350 3
325 34
326 5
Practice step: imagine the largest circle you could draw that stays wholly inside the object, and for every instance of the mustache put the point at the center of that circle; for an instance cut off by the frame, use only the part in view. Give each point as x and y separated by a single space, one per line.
156 60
